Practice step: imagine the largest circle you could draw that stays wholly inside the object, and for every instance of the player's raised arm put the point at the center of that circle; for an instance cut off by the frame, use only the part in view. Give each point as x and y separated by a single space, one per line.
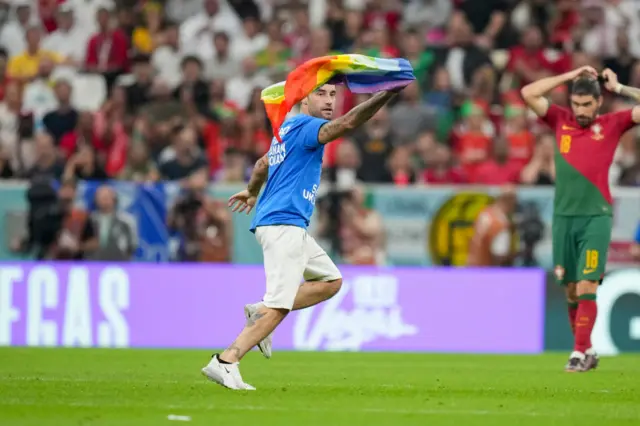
355 118
611 83
534 93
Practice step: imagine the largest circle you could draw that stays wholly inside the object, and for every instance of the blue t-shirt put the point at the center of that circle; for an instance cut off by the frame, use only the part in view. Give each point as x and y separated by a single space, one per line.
638 234
295 165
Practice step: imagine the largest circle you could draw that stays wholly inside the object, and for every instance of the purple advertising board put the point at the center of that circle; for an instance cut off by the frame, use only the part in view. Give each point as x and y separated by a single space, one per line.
201 306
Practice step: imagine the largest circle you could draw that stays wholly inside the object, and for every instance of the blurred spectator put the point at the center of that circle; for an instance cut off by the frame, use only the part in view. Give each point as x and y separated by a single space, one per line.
421 60
64 118
274 58
375 144
361 232
299 38
601 22
126 22
147 37
440 169
319 45
38 97
4 79
427 14
382 14
473 138
497 170
234 167
167 57
139 166
84 133
107 52
197 32
77 239
493 233
399 169
239 88
516 131
410 117
70 39
625 154
116 231
203 224
469 67
344 173
222 64
84 165
183 158
251 41
441 97
10 118
532 13
13 32
541 169
530 60
630 176
25 66
139 92
488 19
47 163
193 88
623 63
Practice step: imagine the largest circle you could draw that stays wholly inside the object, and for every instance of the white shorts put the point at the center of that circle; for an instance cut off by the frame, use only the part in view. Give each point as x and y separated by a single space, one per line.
291 254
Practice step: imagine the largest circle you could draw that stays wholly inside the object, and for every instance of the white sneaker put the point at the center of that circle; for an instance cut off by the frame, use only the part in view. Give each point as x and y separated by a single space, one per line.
227 375
265 344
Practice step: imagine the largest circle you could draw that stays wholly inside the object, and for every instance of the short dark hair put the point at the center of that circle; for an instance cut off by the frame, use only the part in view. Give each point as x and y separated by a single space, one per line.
586 86
191 59
3 53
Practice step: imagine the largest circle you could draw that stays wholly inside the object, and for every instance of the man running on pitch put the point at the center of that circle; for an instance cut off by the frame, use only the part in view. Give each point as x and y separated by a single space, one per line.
585 144
292 171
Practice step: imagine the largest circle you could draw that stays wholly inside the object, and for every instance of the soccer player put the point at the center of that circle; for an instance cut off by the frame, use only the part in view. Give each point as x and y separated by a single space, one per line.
582 221
292 172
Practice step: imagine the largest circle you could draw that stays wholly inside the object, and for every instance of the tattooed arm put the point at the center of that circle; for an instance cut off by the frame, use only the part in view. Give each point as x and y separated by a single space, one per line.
612 84
353 119
259 175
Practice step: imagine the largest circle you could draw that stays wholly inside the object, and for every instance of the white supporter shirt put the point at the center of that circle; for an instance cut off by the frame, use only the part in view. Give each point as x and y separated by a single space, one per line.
239 89
197 32
39 99
12 38
84 12
166 61
69 44
243 47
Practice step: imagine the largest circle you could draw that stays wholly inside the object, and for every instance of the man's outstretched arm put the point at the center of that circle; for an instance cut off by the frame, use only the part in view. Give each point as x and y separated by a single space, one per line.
259 175
353 119
534 93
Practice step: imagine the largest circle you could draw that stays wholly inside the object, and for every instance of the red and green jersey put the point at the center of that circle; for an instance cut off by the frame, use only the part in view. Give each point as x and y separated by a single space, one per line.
583 158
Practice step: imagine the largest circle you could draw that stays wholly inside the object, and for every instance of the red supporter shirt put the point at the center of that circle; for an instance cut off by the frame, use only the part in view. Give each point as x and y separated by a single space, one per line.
521 146
108 52
492 173
538 61
382 19
450 175
472 141
69 144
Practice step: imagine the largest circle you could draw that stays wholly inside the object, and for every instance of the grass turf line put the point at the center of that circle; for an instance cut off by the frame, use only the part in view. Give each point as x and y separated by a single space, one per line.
142 387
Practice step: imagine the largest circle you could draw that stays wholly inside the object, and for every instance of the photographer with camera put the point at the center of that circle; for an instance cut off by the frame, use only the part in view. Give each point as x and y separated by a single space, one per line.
202 223
55 229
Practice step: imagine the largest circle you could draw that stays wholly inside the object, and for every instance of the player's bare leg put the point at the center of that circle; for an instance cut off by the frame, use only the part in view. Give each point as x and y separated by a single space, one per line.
310 293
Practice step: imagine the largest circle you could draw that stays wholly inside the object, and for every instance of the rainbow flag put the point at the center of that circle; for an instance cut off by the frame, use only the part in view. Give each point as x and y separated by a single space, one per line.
361 74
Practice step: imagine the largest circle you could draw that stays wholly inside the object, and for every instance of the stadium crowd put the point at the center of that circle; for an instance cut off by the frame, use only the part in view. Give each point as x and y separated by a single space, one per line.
141 91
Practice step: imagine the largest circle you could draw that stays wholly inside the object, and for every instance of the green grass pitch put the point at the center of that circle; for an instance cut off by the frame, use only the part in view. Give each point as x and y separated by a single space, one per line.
143 387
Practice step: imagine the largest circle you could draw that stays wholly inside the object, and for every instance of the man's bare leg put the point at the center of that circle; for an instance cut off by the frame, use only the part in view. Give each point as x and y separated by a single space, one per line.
313 292
261 324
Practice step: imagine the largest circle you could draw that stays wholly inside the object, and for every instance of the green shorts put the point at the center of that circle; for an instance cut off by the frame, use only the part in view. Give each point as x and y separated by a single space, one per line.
580 247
